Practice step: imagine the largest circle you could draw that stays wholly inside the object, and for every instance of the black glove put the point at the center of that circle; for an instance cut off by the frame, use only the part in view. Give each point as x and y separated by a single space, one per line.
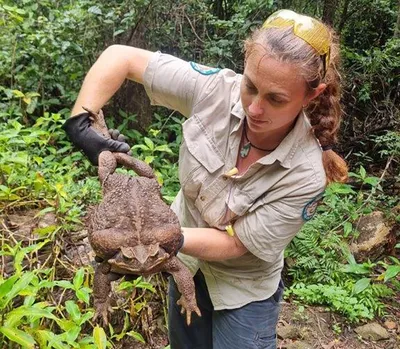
91 142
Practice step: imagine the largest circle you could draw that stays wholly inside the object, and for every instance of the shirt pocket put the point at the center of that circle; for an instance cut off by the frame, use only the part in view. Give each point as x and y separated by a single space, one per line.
199 157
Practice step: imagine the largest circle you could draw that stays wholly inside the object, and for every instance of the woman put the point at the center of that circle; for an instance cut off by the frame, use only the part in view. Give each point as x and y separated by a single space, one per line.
256 157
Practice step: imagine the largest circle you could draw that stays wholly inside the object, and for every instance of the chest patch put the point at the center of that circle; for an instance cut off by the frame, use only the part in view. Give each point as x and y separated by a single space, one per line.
204 70
310 208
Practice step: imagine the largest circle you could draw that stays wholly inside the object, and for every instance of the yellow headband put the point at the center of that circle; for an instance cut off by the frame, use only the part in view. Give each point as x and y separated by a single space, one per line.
307 28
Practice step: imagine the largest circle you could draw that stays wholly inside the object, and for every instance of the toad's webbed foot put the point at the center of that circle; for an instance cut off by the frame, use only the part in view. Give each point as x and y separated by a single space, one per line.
188 306
102 308
185 284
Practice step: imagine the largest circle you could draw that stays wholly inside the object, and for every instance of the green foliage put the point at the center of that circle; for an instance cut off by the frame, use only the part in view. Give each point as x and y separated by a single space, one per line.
29 317
46 48
323 269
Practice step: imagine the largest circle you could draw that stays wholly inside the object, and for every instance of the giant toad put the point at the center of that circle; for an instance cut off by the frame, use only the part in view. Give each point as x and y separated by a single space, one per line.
132 230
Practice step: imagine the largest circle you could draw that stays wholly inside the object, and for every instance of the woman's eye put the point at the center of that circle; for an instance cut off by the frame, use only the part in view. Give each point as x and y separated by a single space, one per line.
277 100
251 88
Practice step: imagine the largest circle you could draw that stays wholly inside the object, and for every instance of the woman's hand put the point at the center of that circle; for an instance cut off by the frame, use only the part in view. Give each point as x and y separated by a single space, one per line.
91 142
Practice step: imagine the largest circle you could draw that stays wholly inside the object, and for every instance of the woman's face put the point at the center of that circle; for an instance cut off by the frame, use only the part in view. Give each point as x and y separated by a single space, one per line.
272 93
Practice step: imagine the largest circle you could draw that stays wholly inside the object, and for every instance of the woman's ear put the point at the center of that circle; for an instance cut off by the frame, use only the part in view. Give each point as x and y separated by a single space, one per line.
315 92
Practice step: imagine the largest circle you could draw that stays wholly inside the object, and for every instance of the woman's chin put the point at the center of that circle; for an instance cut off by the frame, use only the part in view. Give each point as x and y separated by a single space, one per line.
258 126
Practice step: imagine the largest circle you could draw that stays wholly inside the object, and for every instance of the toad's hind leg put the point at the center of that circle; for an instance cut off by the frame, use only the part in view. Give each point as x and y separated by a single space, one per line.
184 282
101 293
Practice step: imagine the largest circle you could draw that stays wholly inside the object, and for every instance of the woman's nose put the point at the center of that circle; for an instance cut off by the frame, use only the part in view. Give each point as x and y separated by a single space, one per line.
255 108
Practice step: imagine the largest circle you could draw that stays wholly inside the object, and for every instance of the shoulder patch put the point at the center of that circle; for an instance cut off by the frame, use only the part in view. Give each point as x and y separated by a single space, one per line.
310 208
204 70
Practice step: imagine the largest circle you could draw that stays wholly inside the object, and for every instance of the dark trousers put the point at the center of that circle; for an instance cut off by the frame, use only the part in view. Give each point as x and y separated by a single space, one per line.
252 326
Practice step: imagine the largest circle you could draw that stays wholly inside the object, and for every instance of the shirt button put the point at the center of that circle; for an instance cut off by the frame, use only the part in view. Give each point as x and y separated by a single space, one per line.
202 198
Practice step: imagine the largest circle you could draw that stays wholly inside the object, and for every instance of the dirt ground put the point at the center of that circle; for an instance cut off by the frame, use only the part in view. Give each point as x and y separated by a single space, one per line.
312 328
298 327
318 328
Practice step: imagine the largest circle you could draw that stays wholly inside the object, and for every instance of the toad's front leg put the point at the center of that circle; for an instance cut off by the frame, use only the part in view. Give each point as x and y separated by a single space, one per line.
101 292
185 283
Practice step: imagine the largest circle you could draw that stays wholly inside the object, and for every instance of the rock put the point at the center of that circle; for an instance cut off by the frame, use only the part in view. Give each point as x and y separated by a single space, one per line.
80 254
374 235
288 332
299 345
390 325
372 331
47 219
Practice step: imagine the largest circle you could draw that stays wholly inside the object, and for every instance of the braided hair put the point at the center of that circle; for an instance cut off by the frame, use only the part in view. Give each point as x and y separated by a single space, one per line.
324 112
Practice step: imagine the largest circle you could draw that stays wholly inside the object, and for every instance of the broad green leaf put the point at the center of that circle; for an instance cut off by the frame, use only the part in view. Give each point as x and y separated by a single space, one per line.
100 339
372 181
163 148
149 159
73 310
57 343
71 335
361 285
149 143
136 335
391 272
140 146
145 285
18 93
78 278
32 94
31 105
95 10
19 285
363 173
10 197
124 285
42 337
6 286
64 284
347 228
117 32
15 315
18 336
83 294
45 231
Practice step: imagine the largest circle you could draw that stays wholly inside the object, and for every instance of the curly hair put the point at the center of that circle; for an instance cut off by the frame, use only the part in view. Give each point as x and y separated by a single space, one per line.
324 112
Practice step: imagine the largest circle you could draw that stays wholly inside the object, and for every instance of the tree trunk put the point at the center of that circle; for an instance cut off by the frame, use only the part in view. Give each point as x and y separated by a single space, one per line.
344 17
328 15
397 29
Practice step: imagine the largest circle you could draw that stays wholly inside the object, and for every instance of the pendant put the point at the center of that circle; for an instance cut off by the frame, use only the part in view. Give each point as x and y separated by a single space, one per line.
244 151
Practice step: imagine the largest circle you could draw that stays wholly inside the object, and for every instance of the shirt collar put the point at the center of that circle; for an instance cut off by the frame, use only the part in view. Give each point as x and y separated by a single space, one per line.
287 148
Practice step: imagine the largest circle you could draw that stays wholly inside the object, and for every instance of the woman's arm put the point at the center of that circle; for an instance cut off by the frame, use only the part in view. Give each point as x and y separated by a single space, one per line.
211 244
108 73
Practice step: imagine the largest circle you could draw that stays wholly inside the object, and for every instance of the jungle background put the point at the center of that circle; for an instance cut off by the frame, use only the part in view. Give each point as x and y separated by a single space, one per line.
342 270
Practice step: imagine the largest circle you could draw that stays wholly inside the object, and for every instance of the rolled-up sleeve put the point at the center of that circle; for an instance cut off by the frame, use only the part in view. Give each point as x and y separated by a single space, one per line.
173 83
268 229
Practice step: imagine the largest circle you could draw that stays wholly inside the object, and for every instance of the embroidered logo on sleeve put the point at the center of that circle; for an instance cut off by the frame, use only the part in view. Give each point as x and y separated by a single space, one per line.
310 208
203 70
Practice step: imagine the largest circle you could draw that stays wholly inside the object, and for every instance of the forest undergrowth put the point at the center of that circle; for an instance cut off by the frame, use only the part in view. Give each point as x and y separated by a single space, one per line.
45 295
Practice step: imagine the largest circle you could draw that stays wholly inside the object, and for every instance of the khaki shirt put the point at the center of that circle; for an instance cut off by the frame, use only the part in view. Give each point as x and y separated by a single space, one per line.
267 205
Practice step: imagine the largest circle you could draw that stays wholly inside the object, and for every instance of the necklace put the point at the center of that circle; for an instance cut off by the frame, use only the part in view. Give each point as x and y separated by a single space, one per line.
245 149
